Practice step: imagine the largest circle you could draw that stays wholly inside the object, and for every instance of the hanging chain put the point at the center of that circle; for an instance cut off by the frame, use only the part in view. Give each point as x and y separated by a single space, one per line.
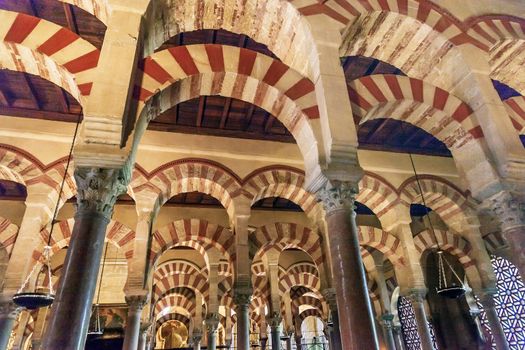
47 248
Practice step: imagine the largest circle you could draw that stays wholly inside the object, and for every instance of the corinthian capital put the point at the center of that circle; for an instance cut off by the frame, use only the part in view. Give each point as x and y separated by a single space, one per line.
509 209
338 195
98 189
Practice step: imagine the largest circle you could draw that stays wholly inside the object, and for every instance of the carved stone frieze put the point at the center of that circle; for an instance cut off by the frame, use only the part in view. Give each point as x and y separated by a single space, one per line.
98 189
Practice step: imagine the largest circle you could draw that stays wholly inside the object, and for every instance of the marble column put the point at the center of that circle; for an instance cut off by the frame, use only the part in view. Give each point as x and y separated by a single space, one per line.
299 341
196 339
417 298
40 322
289 342
143 337
387 325
98 190
486 299
242 298
335 335
132 331
212 324
356 323
274 320
8 314
398 337
263 341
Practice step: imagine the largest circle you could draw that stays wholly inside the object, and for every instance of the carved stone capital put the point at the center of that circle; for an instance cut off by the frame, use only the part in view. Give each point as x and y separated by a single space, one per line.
274 319
508 208
338 196
136 302
330 297
387 320
242 292
212 322
417 295
98 189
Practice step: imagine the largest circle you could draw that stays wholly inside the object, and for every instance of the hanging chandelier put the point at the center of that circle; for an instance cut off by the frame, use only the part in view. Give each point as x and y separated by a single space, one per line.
38 299
445 288
97 328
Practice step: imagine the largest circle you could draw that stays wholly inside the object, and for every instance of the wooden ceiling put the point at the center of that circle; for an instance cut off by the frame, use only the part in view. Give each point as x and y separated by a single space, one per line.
29 96
216 115
66 15
220 116
388 134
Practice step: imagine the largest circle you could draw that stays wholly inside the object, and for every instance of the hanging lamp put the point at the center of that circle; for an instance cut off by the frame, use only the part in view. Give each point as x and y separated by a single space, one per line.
35 300
447 289
97 324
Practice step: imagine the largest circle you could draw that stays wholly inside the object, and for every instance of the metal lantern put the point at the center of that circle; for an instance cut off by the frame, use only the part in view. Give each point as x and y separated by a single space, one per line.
35 300
448 289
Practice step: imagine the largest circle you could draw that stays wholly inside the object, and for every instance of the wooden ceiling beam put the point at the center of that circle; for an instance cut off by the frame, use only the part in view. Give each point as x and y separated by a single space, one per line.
249 116
32 92
4 100
61 95
42 114
70 17
200 112
380 127
33 8
269 123
225 112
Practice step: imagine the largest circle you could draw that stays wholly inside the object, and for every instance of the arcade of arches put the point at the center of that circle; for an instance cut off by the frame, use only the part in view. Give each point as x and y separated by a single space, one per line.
268 174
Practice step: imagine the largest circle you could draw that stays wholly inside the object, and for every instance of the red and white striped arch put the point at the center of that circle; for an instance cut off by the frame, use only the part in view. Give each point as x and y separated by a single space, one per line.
310 312
173 316
307 300
53 43
302 267
378 195
274 23
411 100
18 166
505 36
8 233
198 283
280 236
447 241
177 267
174 299
258 268
442 197
192 175
284 183
383 241
116 233
193 230
516 108
308 280
165 67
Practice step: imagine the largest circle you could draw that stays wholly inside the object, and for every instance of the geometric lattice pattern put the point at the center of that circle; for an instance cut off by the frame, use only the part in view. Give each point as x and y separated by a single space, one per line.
407 318
510 302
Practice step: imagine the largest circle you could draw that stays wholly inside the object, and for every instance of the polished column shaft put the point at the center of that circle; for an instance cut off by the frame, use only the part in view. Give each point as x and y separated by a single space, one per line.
8 315
387 324
97 192
212 324
417 298
487 300
70 313
242 300
356 323
132 332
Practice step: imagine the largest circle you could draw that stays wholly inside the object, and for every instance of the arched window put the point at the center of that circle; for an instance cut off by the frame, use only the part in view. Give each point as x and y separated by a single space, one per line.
510 303
407 317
